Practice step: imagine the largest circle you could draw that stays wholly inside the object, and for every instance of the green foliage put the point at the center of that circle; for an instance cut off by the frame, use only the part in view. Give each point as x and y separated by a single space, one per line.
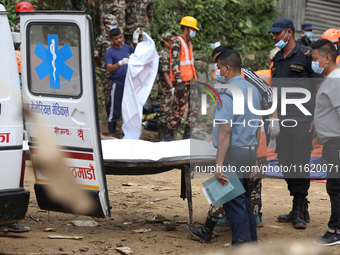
10 7
243 24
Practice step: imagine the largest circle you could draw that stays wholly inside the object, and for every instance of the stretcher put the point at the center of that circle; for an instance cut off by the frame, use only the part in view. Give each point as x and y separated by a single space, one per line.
138 157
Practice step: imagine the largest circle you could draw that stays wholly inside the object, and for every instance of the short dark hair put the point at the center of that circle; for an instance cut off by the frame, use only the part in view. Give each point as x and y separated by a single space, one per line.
325 47
231 58
114 32
292 28
219 49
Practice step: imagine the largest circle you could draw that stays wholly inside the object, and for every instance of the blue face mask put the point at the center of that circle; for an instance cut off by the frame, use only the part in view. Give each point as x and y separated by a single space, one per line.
192 34
316 66
309 34
219 77
281 44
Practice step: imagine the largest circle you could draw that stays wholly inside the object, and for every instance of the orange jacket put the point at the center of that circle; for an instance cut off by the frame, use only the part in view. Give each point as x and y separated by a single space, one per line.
186 59
262 149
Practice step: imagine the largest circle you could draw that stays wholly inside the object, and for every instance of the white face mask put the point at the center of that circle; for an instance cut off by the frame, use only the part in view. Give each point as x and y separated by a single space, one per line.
192 34
309 34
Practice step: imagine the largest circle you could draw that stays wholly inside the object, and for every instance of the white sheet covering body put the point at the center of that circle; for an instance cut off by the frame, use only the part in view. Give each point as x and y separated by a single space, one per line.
140 77
134 151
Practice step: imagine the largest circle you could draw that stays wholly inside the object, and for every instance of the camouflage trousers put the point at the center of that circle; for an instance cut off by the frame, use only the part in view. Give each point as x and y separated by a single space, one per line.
255 187
115 7
106 79
166 102
191 97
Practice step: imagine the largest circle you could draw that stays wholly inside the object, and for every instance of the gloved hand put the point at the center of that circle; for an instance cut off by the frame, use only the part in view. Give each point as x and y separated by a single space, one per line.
124 61
180 89
135 35
172 91
274 128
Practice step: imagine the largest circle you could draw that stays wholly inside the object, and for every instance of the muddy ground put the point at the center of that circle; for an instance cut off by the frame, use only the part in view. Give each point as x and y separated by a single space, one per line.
159 195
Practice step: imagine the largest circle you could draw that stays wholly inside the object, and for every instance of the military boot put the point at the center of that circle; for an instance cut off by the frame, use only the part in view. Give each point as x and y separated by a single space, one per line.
298 219
169 135
288 217
161 132
112 128
204 233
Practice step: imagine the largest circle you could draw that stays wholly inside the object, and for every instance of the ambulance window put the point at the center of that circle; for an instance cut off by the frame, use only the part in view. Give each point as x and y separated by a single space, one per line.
54 59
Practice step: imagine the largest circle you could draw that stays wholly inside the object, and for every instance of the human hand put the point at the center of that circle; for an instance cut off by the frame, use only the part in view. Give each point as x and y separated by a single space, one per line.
124 61
274 128
312 129
172 91
221 178
135 35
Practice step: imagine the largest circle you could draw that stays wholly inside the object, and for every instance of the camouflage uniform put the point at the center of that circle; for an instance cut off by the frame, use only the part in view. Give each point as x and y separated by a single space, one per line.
191 95
138 13
16 28
164 92
116 8
102 44
255 186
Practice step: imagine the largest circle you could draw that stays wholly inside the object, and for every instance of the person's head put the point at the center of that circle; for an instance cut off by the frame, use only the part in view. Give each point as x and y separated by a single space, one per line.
23 7
283 30
324 56
307 30
229 63
218 50
166 40
116 37
110 22
189 26
332 35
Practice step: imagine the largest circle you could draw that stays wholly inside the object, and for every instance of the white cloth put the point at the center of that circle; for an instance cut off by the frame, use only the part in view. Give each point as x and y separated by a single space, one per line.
135 151
140 77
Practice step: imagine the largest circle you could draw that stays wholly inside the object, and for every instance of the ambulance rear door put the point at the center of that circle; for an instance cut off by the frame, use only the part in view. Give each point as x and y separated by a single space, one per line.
59 86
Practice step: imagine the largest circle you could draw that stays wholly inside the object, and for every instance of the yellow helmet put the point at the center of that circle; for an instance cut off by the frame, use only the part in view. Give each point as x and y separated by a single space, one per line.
189 21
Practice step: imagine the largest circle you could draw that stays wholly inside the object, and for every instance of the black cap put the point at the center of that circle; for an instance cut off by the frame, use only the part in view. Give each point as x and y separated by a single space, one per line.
281 24
307 26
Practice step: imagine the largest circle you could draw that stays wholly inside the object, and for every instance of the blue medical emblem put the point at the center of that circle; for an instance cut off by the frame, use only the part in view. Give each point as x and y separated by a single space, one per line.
53 61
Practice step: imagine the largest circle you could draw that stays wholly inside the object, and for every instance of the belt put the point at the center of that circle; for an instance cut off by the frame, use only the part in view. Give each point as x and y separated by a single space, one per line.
251 147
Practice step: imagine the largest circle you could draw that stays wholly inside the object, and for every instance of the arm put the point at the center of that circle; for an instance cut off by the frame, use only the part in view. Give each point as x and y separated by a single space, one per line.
166 77
175 52
111 68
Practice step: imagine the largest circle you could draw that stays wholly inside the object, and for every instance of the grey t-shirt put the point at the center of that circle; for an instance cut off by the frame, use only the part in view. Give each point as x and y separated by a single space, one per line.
326 117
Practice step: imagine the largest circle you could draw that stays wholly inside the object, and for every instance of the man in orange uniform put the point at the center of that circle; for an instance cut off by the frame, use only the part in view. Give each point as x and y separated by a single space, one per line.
182 71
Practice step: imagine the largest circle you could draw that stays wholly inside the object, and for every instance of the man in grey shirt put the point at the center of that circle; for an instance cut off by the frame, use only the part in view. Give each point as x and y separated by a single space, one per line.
327 127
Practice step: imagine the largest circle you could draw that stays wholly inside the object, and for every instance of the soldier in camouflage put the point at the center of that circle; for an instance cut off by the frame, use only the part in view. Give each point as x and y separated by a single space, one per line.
165 88
102 44
186 91
116 8
139 14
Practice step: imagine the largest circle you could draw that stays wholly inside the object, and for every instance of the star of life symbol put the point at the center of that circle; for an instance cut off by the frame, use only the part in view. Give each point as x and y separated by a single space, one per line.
54 61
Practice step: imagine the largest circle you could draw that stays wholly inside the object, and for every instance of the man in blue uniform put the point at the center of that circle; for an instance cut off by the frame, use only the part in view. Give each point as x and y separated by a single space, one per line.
236 145
292 70
116 60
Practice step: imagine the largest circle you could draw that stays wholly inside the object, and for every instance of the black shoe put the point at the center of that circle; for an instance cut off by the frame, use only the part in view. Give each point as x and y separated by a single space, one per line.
112 128
186 134
297 218
288 217
15 228
161 132
305 211
169 135
204 233
329 239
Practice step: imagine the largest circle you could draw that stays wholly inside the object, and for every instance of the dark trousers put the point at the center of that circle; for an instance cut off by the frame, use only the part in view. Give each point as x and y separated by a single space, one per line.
116 98
293 147
239 211
331 153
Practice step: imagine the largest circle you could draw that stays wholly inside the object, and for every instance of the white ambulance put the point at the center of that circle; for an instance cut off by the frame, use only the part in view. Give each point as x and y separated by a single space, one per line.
58 85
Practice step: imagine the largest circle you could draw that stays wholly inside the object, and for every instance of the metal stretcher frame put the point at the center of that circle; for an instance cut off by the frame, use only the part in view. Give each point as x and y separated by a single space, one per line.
186 166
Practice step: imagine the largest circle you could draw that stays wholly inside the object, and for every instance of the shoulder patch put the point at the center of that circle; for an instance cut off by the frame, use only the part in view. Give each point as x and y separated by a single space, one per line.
218 105
305 51
273 69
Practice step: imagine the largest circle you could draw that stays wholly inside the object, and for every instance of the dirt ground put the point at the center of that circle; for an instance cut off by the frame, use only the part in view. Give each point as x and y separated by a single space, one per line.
159 195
